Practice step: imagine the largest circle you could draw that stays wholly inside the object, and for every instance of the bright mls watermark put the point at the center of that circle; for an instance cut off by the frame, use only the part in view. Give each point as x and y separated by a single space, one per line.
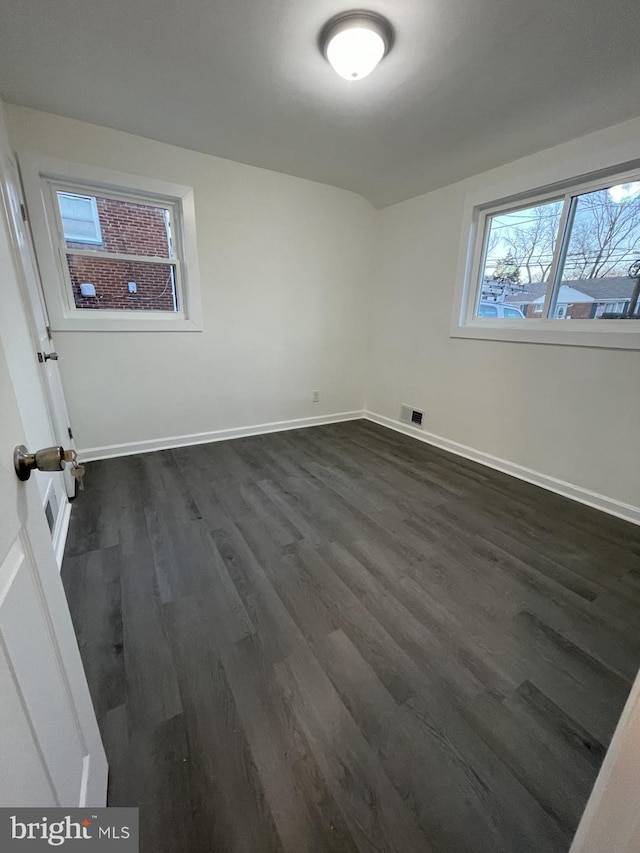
76 829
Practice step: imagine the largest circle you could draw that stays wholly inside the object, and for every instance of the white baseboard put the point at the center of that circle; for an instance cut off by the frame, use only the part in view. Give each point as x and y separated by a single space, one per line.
91 454
622 510
59 537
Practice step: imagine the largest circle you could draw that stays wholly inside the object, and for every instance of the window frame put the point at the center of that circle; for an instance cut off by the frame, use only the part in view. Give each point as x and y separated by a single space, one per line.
513 195
174 245
42 178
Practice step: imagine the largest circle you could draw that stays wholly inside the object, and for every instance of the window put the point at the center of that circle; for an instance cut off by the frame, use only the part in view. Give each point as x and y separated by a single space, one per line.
117 252
134 268
518 254
561 261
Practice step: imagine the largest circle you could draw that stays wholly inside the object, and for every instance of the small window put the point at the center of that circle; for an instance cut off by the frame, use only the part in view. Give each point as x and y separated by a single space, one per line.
80 221
134 267
117 252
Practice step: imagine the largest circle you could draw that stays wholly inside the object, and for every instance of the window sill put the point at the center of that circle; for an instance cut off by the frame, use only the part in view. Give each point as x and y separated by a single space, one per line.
581 333
144 323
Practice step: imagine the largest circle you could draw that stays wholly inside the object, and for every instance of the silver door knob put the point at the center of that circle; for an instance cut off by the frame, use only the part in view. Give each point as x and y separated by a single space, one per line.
47 356
47 459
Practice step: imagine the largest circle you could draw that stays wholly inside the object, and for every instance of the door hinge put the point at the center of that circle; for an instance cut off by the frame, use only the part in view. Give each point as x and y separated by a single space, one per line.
23 211
70 431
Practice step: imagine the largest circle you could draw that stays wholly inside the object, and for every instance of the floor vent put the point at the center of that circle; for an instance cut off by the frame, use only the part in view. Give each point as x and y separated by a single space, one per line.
409 415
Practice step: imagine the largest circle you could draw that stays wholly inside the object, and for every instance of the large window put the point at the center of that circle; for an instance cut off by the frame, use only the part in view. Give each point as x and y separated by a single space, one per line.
117 254
568 258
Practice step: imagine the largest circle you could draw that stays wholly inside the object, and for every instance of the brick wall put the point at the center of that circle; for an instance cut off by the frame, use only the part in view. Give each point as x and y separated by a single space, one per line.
132 229
579 310
575 310
530 311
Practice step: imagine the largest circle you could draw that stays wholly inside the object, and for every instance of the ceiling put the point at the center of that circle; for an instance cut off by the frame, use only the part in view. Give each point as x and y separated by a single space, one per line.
469 84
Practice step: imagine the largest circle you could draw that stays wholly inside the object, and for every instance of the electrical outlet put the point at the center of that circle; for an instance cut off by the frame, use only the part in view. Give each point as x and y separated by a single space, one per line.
315 396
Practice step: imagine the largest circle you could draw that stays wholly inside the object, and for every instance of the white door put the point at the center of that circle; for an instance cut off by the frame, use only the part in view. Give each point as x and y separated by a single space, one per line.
33 298
50 748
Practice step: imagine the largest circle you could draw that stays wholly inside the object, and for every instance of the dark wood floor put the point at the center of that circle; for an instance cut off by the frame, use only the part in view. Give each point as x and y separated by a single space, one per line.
341 639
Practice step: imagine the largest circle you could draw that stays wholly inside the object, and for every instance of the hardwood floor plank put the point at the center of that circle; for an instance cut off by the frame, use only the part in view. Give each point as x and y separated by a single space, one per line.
585 689
223 791
302 806
152 692
546 719
427 647
161 778
164 482
555 772
448 788
93 584
372 808
278 633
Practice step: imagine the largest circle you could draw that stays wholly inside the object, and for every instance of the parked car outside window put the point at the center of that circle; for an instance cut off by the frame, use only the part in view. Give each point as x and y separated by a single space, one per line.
499 309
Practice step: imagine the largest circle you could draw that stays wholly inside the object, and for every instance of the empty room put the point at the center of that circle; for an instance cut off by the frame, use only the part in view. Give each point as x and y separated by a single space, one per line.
320 407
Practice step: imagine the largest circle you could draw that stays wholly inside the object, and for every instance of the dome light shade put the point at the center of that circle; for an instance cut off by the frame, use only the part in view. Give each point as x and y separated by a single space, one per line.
355 42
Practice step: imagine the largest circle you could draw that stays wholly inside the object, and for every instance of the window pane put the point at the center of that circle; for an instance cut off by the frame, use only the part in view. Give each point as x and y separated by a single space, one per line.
518 254
603 243
79 216
122 285
123 227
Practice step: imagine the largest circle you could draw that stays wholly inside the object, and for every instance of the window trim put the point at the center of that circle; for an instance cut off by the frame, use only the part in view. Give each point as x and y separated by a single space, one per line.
582 174
42 177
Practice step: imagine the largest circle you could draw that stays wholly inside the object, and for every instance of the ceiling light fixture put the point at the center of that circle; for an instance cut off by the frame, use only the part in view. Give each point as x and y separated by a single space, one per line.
355 42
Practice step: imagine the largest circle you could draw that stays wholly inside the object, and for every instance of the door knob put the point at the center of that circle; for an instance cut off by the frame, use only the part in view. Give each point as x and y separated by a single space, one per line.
47 356
47 459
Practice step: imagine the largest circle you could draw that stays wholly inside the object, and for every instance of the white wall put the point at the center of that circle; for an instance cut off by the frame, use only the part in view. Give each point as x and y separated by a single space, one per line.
284 271
572 413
